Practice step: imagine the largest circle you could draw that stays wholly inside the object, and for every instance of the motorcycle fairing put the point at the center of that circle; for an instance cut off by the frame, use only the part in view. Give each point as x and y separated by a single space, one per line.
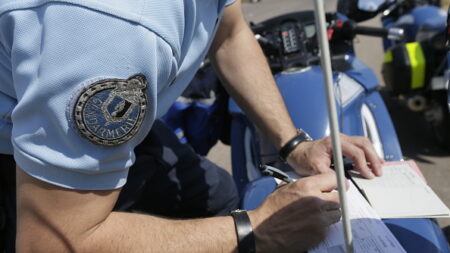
304 95
362 73
307 104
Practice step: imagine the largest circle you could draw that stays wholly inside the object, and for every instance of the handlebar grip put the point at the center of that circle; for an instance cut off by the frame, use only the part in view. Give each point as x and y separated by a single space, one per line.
393 33
372 31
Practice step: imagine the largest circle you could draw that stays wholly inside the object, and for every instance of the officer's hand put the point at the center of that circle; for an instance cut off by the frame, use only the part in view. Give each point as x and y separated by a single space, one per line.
296 217
314 157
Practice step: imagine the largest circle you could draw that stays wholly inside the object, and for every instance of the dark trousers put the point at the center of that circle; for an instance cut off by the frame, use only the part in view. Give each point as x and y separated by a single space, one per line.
168 179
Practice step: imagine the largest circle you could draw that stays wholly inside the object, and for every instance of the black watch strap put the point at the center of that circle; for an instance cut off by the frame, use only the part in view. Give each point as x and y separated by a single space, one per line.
244 231
293 143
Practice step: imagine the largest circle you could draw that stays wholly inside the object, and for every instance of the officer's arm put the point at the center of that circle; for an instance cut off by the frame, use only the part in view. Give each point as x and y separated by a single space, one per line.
54 219
247 77
244 71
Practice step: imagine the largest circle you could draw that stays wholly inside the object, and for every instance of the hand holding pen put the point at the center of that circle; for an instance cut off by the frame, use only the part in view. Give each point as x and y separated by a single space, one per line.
276 173
347 168
283 176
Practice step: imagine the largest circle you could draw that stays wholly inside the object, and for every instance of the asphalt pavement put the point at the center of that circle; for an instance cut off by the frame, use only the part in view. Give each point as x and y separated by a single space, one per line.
414 134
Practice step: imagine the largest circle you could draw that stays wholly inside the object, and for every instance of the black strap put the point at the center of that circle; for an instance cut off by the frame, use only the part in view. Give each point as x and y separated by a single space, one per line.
244 231
7 203
293 143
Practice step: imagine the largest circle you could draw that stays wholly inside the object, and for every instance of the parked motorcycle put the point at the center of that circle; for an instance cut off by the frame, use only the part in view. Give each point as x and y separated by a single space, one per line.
415 69
290 44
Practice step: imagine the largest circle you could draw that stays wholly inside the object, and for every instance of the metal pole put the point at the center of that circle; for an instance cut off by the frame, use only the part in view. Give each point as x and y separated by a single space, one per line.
334 127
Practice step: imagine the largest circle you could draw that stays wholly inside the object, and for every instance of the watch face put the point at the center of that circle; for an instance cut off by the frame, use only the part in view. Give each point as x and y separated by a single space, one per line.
302 136
309 137
305 135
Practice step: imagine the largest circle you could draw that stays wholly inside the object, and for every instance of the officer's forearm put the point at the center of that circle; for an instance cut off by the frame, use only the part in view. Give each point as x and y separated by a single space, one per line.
244 71
53 219
127 232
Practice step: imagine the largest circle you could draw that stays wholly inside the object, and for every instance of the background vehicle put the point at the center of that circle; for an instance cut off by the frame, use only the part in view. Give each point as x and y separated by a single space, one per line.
415 69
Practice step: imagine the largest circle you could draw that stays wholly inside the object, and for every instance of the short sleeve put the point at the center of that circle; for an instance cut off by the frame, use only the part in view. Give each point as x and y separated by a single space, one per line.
86 85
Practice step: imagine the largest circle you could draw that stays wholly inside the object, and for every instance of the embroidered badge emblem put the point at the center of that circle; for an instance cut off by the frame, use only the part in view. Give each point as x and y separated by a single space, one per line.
109 112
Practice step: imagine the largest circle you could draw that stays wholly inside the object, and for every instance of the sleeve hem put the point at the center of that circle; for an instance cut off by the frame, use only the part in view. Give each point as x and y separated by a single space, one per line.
70 179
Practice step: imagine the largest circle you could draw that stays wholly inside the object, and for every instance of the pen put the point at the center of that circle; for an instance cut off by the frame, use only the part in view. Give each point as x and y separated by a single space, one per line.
276 173
348 166
279 174
363 193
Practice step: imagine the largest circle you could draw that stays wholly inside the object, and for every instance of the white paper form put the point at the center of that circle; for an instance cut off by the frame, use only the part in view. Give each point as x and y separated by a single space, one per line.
402 193
370 234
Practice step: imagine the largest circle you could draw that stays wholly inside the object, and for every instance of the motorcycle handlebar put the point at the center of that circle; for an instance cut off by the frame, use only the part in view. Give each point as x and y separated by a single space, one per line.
391 33
346 30
371 31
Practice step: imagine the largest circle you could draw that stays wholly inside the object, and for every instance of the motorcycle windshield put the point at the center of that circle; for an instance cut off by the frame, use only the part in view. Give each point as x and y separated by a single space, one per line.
372 5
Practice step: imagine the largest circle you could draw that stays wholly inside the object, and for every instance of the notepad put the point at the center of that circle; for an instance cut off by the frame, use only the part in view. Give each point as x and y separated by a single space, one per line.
370 234
402 192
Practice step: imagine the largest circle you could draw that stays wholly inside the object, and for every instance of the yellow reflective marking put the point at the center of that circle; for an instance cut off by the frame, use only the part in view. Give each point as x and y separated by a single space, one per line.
418 63
388 56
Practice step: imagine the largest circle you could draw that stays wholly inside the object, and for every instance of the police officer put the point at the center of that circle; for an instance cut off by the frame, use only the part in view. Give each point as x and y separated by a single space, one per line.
82 84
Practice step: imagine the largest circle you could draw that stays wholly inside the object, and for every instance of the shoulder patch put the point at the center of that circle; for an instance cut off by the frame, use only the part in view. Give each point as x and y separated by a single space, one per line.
109 112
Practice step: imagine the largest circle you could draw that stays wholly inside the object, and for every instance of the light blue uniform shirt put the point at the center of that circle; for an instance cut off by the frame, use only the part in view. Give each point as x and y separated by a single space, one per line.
56 54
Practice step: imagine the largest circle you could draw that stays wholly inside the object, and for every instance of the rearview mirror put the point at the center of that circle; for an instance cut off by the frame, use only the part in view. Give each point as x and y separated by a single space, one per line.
372 5
360 10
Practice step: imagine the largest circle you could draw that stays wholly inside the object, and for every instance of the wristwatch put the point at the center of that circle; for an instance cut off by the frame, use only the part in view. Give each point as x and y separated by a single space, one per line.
301 136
